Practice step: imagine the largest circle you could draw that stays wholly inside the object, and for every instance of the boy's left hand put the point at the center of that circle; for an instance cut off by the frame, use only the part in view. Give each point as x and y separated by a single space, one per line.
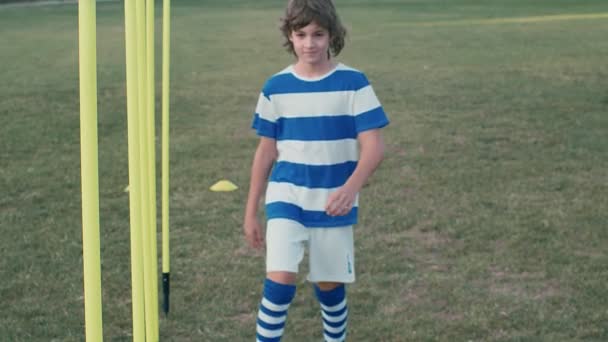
340 202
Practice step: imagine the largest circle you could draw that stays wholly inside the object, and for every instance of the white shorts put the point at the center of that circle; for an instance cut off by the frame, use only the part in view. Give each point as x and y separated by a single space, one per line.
331 250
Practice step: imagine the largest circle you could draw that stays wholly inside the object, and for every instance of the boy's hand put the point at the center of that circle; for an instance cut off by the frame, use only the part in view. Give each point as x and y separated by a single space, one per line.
253 232
340 202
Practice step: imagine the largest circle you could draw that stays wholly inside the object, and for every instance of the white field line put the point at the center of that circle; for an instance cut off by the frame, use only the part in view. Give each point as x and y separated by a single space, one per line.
44 3
494 21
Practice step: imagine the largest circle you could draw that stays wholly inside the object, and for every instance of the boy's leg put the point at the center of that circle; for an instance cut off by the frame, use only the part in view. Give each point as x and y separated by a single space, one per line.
273 310
284 252
331 265
334 311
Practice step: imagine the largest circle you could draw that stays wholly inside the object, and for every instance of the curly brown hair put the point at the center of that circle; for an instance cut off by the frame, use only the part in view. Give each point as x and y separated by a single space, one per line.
300 13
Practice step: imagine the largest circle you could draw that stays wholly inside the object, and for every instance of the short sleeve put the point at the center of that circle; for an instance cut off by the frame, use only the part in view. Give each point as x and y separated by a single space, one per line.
264 118
367 110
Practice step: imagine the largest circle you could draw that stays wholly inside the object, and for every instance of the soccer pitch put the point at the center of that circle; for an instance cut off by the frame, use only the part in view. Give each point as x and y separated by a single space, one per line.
486 221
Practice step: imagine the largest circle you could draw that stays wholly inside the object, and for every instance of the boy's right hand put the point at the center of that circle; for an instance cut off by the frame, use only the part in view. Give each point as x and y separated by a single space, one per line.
253 232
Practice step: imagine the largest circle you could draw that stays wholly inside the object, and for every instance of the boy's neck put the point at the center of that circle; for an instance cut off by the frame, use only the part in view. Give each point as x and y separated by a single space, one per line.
314 70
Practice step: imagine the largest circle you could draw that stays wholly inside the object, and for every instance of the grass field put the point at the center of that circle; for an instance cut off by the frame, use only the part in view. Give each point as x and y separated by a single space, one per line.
486 222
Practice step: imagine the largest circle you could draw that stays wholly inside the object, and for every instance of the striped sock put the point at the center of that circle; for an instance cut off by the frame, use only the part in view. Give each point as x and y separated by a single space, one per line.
335 313
273 311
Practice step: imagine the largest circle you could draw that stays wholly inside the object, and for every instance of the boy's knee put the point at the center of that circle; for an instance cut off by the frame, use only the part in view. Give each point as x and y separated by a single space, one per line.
328 285
286 278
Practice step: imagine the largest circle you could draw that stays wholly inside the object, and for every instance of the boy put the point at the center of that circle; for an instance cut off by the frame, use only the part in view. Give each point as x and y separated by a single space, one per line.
318 122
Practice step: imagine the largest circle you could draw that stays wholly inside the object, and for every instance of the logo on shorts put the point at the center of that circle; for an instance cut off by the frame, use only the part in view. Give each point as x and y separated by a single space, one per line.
349 264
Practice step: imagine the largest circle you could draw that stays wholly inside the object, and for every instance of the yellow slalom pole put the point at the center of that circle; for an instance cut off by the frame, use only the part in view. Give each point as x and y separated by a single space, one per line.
145 193
151 135
89 169
137 270
165 151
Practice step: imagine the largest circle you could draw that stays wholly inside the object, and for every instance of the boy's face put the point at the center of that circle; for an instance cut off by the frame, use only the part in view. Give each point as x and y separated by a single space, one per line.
311 44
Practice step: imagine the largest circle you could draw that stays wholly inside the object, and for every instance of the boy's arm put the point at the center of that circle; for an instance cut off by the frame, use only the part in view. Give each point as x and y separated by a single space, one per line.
265 155
371 145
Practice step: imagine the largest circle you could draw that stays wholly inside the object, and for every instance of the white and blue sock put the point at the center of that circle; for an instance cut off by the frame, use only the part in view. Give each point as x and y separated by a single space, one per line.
273 311
335 313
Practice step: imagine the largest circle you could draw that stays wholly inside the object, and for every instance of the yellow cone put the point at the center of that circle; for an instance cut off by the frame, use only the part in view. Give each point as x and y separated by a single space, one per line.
223 185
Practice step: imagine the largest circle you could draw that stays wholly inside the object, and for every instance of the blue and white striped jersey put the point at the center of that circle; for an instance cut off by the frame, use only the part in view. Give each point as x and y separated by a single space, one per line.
315 123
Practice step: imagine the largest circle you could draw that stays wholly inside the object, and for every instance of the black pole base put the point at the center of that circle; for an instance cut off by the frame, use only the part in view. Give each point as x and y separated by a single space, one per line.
166 293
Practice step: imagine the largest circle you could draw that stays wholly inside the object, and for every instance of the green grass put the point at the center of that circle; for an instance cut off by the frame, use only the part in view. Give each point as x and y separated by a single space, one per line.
486 222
